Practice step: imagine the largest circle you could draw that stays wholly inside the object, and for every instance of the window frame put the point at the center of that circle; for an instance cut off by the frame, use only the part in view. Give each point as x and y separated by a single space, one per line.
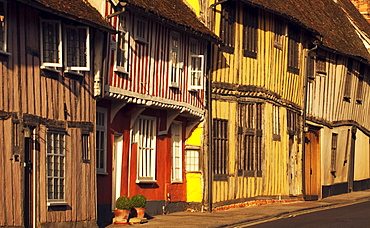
250 31
85 143
138 137
220 148
192 71
293 50
61 199
87 45
137 37
276 123
174 80
280 30
334 153
227 27
60 45
98 148
5 35
123 34
177 166
192 160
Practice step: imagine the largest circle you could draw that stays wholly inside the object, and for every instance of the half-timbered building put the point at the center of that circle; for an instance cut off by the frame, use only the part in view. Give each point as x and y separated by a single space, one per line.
288 85
148 105
50 52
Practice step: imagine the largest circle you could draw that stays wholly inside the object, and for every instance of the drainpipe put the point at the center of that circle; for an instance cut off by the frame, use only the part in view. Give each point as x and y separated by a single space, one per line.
210 136
305 93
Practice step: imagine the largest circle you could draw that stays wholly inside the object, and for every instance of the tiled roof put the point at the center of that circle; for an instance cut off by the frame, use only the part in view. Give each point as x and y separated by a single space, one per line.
174 10
328 17
76 9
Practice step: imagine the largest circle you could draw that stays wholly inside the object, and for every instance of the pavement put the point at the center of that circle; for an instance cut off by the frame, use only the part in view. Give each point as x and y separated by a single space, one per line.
251 214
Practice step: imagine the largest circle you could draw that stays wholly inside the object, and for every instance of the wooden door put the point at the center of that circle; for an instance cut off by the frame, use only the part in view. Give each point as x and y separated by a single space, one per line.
312 165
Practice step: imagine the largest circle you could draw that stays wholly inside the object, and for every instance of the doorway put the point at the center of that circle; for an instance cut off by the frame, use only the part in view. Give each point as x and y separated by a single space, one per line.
312 164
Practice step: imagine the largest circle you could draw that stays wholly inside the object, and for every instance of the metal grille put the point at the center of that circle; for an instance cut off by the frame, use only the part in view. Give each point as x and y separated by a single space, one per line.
220 146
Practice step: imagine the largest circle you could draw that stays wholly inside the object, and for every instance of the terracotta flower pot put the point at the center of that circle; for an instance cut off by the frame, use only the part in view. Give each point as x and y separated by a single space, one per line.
121 217
140 212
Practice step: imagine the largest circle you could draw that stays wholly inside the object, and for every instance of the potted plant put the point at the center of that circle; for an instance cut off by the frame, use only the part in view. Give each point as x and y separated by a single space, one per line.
139 203
123 206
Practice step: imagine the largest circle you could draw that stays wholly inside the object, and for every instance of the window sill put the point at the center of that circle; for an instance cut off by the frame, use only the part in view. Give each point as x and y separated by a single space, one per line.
177 182
5 53
121 70
102 173
278 46
227 49
140 40
51 204
51 69
146 181
75 73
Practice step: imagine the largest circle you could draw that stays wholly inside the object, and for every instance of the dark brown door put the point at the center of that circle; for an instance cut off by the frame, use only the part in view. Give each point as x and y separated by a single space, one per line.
28 181
312 165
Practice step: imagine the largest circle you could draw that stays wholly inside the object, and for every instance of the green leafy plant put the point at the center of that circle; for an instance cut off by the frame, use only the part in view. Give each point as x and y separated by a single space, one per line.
138 201
123 203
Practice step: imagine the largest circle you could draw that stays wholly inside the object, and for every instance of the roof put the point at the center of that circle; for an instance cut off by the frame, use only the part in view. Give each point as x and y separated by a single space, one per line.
176 11
79 10
329 18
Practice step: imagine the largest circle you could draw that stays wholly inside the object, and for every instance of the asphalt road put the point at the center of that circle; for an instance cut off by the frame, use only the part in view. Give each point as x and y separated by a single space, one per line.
356 215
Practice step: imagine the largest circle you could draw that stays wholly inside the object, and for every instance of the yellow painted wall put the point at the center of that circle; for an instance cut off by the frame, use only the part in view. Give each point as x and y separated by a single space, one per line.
195 5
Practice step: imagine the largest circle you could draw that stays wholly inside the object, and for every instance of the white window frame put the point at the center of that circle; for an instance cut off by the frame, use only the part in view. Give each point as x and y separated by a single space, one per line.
77 68
124 34
5 35
145 137
191 71
175 81
144 22
55 153
192 159
60 52
176 152
99 130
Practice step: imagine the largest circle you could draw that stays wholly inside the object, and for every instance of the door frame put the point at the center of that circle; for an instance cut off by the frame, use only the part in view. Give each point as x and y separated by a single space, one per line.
315 131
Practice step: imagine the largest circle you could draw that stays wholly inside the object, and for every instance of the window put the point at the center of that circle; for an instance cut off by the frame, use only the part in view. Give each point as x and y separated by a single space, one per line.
250 140
361 75
85 139
220 149
55 162
348 82
293 54
3 26
122 51
227 27
279 32
334 142
176 138
293 120
144 134
276 123
141 30
176 65
51 43
77 47
192 160
321 65
250 32
101 150
196 66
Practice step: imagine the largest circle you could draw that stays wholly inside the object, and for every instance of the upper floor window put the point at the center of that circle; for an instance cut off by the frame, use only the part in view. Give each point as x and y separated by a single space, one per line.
196 66
279 32
77 47
360 85
227 27
3 26
250 32
122 39
101 135
51 43
141 29
70 48
176 63
348 82
293 54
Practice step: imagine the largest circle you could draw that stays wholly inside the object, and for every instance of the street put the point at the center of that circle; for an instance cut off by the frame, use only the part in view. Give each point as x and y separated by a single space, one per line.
356 215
